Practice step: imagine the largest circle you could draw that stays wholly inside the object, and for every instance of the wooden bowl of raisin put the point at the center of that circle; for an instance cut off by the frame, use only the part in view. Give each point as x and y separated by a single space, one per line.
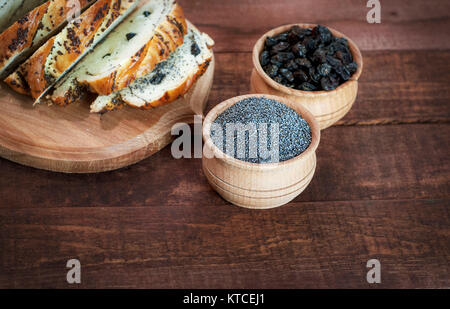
310 64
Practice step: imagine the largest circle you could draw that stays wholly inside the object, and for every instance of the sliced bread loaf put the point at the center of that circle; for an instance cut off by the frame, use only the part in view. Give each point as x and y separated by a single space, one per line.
146 37
27 34
55 58
170 79
12 10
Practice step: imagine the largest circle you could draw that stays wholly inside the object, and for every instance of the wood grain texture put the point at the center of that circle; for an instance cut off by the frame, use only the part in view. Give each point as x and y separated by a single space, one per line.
73 140
236 25
387 162
304 245
379 191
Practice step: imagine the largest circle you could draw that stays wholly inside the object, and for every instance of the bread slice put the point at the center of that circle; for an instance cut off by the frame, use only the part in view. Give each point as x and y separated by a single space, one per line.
55 58
27 34
12 10
170 80
146 37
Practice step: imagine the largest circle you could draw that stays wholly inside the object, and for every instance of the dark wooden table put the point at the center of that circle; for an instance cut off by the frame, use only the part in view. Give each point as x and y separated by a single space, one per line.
381 190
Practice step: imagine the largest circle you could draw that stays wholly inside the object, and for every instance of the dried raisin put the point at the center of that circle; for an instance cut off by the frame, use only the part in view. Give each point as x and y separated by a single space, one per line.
308 59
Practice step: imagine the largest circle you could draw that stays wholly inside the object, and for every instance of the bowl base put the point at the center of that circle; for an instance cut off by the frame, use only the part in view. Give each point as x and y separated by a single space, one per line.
254 199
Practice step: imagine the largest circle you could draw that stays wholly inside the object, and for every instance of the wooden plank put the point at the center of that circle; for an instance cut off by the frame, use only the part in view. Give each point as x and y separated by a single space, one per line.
379 191
304 245
354 163
236 25
382 162
395 87
403 87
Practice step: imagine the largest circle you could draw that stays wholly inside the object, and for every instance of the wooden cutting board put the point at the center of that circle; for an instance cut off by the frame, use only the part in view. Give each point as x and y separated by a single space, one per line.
72 140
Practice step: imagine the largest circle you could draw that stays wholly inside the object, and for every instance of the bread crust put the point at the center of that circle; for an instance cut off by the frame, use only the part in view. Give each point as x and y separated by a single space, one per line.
169 96
12 10
117 102
168 36
20 35
31 31
17 81
174 94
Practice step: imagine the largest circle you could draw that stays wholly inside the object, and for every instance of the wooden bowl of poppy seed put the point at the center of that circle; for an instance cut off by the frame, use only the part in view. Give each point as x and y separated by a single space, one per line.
259 185
328 106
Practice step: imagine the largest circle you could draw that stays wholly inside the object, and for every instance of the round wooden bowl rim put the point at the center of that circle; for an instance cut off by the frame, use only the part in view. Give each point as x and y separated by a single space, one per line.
220 155
257 49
